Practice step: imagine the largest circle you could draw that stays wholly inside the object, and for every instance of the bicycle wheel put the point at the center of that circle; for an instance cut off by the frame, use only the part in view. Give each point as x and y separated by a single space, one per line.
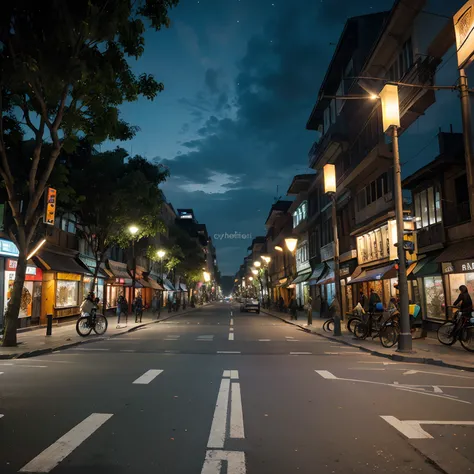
389 335
467 338
351 324
361 330
446 333
328 325
83 327
101 324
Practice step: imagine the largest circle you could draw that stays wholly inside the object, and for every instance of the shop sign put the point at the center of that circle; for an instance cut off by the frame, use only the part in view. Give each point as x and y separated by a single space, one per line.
343 271
459 266
378 244
32 273
120 281
68 276
50 208
8 248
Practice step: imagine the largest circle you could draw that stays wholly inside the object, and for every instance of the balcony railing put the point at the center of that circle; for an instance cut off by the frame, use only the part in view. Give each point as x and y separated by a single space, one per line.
456 213
333 142
430 236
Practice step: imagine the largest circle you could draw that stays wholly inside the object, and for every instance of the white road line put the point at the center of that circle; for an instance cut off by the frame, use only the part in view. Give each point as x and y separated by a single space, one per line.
300 353
412 372
449 397
148 376
215 459
410 431
289 337
366 368
231 321
437 389
91 349
127 350
231 329
384 363
226 373
325 374
219 421
65 445
228 352
231 336
52 359
292 340
234 374
1 416
236 413
264 340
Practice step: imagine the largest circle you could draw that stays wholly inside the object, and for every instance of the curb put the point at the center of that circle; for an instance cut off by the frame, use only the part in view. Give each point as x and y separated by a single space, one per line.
49 350
394 357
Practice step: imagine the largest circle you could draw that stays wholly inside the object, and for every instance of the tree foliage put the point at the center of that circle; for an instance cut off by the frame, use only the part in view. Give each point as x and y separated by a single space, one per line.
64 72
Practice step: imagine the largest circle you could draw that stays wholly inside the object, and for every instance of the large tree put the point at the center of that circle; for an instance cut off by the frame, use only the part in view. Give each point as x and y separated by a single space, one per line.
64 73
114 191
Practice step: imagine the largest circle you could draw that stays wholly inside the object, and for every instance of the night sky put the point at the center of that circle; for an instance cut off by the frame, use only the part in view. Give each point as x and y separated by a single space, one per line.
241 78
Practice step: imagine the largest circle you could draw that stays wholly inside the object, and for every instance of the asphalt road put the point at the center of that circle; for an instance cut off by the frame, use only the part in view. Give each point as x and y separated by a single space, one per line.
213 392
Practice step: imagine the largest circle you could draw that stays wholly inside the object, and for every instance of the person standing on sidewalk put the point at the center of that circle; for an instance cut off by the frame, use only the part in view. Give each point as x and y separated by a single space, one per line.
138 305
122 308
293 309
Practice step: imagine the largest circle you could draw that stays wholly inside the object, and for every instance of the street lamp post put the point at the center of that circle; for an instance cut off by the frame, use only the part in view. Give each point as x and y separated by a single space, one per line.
133 231
161 254
391 123
330 189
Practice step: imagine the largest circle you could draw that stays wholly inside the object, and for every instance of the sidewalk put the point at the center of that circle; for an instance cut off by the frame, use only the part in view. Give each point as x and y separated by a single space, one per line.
35 342
426 351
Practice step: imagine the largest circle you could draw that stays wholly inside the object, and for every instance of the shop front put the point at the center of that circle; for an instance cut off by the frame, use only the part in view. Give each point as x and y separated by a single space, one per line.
348 299
169 290
30 306
99 286
301 285
7 250
62 292
457 266
149 286
115 285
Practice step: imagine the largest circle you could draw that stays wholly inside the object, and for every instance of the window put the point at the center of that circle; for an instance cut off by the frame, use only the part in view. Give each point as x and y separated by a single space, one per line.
402 63
339 92
434 295
67 223
300 214
67 293
427 207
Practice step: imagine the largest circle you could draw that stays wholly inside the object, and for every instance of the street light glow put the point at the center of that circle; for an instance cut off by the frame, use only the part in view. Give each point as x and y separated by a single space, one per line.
291 243
390 107
254 271
329 172
133 229
250 278
266 258
207 276
277 247
161 253
257 264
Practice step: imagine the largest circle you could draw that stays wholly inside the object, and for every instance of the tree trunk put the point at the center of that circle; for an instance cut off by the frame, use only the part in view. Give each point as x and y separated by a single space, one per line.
13 309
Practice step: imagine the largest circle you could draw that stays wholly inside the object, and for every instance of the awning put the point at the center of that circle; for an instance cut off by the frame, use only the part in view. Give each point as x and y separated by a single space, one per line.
153 284
90 263
460 251
302 277
167 285
118 269
426 267
380 273
317 272
59 262
183 287
328 277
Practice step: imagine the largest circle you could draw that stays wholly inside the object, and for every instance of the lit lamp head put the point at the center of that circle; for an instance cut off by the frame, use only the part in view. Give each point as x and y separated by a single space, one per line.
161 253
257 264
390 107
280 249
291 244
207 276
329 172
250 278
266 258
133 229
254 271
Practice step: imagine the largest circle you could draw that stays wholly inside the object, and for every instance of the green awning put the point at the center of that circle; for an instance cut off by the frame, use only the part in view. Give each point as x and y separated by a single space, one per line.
426 267
317 272
302 277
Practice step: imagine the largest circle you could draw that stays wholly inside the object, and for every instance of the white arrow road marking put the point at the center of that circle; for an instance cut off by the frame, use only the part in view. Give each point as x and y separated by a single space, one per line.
437 389
325 374
214 460
65 445
412 428
148 376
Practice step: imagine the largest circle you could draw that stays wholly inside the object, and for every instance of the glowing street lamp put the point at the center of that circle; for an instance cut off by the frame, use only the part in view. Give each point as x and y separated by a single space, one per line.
207 276
257 264
280 249
391 124
291 244
133 229
329 172
161 254
266 259
254 271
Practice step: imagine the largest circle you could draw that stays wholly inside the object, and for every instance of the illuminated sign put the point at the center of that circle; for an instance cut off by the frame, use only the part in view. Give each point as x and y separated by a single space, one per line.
8 248
50 208
463 27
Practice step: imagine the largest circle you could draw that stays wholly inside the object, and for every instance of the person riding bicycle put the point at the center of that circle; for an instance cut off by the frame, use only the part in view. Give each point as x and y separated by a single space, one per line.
88 306
464 302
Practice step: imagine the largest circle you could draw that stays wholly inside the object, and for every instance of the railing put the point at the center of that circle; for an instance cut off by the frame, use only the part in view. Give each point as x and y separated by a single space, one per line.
456 213
336 134
430 235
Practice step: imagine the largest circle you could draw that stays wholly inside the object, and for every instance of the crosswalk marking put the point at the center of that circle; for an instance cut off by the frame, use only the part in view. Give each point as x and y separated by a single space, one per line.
148 376
65 445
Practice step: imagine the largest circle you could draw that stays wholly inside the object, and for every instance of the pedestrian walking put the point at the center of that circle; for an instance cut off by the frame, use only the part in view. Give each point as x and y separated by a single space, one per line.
293 309
122 308
138 308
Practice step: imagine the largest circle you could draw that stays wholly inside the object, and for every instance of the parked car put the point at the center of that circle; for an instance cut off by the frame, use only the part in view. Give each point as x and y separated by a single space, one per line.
250 304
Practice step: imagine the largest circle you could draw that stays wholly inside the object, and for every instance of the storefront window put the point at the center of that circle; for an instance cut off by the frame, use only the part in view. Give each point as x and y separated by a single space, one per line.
434 296
458 279
431 206
424 209
67 293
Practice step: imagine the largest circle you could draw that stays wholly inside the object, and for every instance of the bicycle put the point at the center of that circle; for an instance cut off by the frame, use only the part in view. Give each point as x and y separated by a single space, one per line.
328 325
461 328
372 324
88 322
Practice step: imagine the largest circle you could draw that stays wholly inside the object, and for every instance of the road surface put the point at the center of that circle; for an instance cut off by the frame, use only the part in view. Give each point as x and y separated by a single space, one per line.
218 391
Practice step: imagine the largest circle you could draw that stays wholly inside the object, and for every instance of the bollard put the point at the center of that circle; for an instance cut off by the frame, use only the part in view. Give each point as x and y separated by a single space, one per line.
49 324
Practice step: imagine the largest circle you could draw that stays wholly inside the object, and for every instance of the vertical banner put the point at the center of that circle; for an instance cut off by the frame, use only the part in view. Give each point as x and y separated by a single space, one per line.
50 207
